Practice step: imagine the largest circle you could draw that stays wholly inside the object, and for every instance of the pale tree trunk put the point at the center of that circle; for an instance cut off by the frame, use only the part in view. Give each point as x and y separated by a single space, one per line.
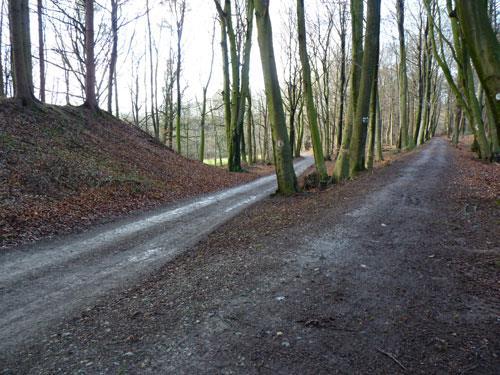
342 164
312 114
369 67
201 155
180 13
90 81
287 182
21 51
156 126
41 50
226 96
403 79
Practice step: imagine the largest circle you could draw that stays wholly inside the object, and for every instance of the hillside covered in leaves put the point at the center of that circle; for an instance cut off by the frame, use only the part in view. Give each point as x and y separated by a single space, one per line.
64 168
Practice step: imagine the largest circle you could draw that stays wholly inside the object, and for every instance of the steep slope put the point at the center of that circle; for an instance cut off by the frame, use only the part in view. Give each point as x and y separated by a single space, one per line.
64 168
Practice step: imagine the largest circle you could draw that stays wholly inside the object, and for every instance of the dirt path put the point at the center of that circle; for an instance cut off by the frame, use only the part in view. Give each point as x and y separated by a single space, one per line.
45 282
368 277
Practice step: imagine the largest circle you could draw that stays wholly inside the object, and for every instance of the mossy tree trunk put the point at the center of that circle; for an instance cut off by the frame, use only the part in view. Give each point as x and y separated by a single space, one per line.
342 164
484 50
287 182
369 67
312 113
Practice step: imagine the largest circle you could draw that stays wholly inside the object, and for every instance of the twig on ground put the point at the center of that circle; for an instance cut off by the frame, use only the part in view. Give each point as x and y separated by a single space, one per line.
391 356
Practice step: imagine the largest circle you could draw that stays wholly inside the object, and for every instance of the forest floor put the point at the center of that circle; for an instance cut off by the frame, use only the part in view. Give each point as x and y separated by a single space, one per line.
394 272
64 170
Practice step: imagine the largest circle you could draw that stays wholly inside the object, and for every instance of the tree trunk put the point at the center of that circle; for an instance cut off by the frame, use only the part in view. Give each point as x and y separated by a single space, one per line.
372 124
369 67
403 79
484 49
2 83
225 67
250 131
287 182
342 84
180 27
342 164
21 51
114 53
90 81
378 133
237 137
41 50
312 114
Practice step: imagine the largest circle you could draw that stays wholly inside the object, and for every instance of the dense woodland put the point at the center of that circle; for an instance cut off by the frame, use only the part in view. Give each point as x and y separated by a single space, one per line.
338 78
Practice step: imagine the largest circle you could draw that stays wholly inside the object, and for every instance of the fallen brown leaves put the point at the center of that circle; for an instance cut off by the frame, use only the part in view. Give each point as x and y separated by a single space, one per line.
63 169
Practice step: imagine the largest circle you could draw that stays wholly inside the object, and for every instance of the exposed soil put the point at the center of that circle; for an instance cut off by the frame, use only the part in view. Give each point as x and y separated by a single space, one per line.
64 169
394 272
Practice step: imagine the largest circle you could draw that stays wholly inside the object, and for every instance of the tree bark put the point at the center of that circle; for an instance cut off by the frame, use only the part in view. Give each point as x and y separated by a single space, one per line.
41 50
114 54
342 164
21 51
484 50
90 80
2 87
369 67
403 78
312 114
287 181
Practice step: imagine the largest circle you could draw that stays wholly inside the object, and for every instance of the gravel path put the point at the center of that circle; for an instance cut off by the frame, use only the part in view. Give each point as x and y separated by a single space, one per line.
45 282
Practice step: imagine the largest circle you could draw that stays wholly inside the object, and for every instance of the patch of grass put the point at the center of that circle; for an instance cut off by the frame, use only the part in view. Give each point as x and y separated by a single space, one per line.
212 162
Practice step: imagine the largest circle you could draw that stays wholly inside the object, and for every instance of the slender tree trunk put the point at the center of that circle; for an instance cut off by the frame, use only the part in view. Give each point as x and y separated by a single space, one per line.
342 84
378 133
114 53
250 140
21 51
156 127
312 114
300 130
2 83
90 81
287 182
41 49
225 67
403 79
180 27
369 68
372 124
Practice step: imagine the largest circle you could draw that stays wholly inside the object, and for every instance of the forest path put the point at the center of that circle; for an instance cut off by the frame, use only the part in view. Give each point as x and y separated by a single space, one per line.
44 282
374 276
